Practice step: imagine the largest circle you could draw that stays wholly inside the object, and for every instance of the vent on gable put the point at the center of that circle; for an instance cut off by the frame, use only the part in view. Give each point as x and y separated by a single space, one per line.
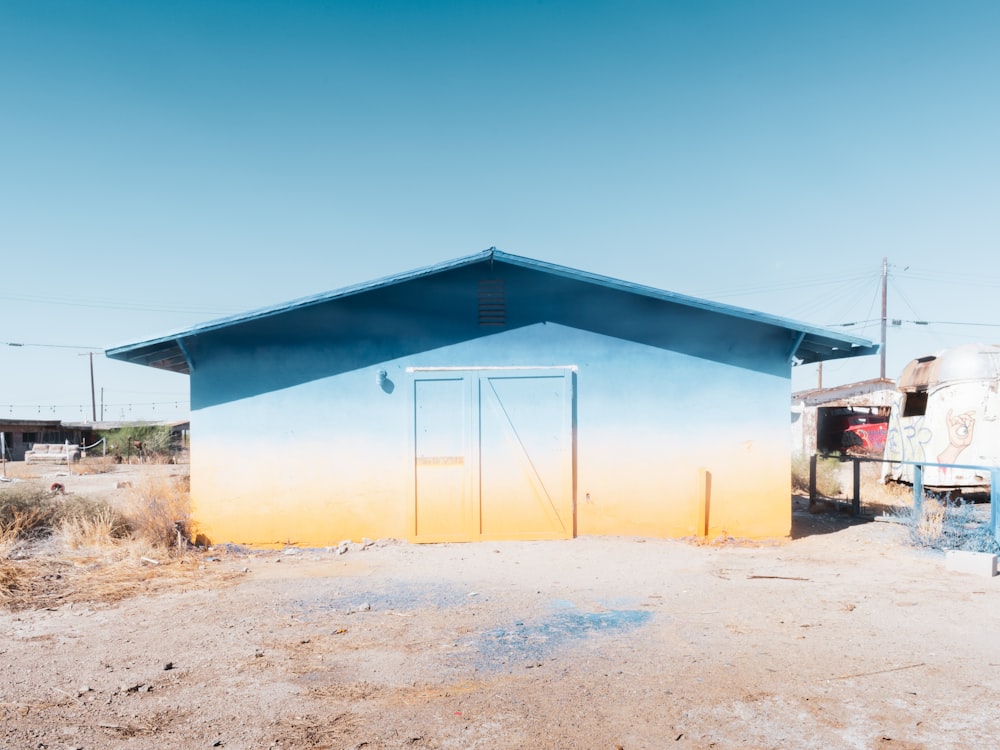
492 303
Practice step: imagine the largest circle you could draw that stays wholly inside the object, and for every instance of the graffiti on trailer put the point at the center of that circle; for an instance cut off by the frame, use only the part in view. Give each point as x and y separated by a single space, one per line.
907 442
941 436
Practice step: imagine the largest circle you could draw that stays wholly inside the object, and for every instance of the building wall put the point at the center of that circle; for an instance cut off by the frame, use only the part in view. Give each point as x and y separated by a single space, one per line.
19 437
330 456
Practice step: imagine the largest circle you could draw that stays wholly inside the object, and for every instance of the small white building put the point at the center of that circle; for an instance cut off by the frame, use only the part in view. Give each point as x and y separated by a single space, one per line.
819 415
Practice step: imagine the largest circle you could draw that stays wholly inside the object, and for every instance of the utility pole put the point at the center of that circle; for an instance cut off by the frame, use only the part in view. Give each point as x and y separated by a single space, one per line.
881 349
93 399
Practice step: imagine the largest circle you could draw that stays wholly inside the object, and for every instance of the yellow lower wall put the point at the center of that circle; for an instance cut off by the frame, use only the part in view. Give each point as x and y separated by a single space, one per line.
315 499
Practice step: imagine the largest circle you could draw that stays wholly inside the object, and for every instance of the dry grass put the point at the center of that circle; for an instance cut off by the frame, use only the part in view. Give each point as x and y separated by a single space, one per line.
928 527
828 472
159 508
22 470
94 465
880 496
49 581
16 527
161 458
73 548
102 527
26 511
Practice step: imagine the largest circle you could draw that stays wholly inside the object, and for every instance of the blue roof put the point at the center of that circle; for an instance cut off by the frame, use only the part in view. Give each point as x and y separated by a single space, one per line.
813 344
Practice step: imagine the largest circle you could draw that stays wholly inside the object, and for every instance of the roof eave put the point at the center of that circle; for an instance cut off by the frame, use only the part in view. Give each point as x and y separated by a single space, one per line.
814 344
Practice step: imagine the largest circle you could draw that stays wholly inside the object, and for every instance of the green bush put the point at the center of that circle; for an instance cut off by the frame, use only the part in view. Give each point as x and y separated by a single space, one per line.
156 440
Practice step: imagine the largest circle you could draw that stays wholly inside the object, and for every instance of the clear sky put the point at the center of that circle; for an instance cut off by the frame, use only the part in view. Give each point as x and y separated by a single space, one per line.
166 163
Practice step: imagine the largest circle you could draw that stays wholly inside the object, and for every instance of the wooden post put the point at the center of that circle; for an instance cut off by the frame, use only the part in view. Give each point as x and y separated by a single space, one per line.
856 500
812 481
704 500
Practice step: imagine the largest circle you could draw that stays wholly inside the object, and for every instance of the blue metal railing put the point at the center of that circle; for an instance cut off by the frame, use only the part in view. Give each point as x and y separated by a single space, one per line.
918 484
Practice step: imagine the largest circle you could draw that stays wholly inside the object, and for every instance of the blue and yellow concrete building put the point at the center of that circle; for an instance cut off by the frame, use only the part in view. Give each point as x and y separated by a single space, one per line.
491 397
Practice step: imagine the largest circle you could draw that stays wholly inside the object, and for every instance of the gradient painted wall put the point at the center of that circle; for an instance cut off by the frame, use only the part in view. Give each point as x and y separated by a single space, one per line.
641 417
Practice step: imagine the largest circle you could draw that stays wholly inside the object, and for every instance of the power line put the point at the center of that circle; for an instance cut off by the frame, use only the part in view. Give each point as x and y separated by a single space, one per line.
788 285
847 295
898 321
121 406
54 346
951 323
936 276
104 304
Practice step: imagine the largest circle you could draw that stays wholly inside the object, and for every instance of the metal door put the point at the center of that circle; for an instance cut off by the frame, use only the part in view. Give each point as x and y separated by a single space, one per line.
494 454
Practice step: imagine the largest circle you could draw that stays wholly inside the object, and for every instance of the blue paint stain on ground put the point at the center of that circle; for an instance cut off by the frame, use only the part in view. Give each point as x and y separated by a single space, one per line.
396 597
524 641
534 641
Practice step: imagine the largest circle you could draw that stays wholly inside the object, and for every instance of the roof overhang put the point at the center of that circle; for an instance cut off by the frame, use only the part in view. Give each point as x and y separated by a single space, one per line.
808 344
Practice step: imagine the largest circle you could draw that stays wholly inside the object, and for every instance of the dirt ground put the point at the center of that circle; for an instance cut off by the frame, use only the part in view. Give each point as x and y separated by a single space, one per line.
842 637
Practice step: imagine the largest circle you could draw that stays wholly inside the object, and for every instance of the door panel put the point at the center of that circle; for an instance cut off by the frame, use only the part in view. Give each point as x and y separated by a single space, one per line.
525 457
440 472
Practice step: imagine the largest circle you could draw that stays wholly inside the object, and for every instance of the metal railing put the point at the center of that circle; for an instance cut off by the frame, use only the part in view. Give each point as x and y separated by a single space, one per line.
918 484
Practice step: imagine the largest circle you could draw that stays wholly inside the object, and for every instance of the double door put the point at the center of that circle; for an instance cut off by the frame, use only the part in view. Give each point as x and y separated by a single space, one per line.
493 454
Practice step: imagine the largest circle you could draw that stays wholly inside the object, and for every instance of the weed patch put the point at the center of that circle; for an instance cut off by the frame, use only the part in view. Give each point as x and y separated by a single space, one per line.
828 482
91 466
26 512
99 526
56 548
947 523
159 511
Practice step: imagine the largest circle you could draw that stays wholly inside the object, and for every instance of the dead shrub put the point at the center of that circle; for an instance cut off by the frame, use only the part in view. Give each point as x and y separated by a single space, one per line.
115 575
928 525
26 512
96 465
159 511
887 494
11 581
946 522
100 526
18 528
827 475
60 549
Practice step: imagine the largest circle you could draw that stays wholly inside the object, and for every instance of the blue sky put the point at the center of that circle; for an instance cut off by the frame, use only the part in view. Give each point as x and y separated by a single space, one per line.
163 164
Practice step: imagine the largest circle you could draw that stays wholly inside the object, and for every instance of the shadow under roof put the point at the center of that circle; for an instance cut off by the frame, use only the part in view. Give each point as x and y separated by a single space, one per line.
811 343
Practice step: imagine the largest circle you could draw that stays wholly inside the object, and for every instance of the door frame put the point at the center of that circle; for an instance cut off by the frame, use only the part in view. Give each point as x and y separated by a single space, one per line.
473 498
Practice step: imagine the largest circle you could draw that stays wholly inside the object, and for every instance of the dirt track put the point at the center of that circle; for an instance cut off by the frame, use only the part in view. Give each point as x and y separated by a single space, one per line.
841 638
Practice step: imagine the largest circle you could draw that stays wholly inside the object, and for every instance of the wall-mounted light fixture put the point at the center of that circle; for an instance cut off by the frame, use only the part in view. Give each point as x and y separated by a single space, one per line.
381 376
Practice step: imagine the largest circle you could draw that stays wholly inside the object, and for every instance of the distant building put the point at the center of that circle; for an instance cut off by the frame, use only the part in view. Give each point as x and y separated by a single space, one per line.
491 397
20 435
820 416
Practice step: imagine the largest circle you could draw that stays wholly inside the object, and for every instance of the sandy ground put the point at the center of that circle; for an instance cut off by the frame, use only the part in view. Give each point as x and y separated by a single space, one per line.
843 637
